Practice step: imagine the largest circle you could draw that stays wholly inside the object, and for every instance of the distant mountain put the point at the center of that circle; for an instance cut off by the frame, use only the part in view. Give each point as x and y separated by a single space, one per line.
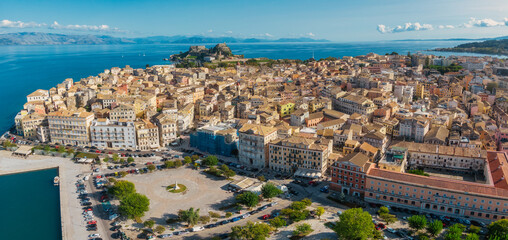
37 38
495 47
452 39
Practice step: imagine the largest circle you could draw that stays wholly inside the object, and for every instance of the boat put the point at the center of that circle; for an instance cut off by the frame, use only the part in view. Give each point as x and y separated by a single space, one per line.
56 181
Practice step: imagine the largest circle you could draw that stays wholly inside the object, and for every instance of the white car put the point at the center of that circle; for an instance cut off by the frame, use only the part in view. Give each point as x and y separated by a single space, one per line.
95 235
197 229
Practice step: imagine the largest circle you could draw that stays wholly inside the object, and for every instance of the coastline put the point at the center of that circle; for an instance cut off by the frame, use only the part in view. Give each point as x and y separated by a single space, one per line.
67 171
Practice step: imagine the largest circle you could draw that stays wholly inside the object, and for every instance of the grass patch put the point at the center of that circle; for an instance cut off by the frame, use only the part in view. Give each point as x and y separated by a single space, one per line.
181 188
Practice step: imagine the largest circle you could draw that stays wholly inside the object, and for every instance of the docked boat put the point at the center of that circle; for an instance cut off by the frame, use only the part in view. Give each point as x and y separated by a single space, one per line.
56 181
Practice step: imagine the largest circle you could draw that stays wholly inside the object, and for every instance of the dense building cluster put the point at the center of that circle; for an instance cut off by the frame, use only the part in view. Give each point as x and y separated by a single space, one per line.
368 123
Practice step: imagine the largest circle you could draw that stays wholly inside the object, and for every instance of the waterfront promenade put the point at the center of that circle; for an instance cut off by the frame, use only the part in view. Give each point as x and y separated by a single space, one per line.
73 226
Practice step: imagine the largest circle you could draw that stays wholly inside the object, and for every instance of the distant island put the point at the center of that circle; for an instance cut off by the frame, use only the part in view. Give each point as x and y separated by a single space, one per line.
38 38
495 47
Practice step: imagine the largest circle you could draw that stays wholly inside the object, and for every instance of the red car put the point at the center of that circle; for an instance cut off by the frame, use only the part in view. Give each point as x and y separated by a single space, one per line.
98 151
264 217
92 222
381 226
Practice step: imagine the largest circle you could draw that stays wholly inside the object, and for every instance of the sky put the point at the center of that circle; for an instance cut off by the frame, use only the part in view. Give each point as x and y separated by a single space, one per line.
338 20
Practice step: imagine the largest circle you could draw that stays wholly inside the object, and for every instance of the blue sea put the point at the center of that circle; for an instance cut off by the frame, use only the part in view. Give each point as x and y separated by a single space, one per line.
24 69
30 206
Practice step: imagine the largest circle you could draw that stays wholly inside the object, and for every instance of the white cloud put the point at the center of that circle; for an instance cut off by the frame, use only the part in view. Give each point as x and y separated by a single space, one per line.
229 32
446 27
92 28
268 35
486 22
404 28
210 30
311 34
19 24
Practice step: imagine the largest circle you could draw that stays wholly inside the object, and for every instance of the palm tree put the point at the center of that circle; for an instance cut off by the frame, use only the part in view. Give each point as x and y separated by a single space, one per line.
190 216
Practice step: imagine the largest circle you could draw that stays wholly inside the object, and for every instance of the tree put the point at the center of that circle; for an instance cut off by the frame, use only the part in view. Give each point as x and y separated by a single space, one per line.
123 174
474 229
178 163
299 205
195 157
191 216
382 210
229 173
435 227
229 214
248 199
130 159
187 160
115 157
106 159
302 230
320 211
211 160
354 224
151 167
160 229
169 164
149 224
269 191
417 222
498 229
261 178
388 218
122 189
204 219
277 222
454 232
251 231
134 205
472 236
306 201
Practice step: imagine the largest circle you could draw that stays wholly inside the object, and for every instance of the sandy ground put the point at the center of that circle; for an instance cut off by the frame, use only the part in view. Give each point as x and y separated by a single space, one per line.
72 222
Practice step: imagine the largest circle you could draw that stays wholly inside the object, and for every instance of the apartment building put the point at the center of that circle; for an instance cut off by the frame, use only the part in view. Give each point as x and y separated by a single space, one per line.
185 118
444 157
349 174
27 123
414 128
220 139
253 144
123 111
38 95
352 103
167 128
298 153
147 135
70 127
440 196
105 133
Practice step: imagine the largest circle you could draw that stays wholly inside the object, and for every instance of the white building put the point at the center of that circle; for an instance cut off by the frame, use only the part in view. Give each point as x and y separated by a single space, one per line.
106 133
253 144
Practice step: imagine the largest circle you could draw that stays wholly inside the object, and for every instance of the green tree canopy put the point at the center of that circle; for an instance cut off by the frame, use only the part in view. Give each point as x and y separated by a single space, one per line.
211 160
472 236
190 216
134 205
130 159
269 191
354 224
151 167
302 230
160 229
435 227
169 164
122 188
251 231
187 160
417 222
320 211
149 224
454 232
277 222
382 210
499 229
248 199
